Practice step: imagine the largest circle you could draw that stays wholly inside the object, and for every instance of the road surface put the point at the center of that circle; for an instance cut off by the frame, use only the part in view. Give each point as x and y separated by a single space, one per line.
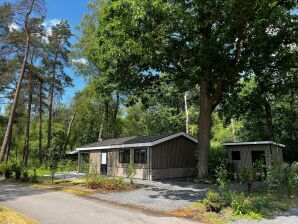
57 207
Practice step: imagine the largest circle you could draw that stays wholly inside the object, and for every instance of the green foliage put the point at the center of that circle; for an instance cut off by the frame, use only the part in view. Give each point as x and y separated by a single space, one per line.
244 205
241 205
131 171
6 169
213 201
246 176
17 169
217 154
273 177
95 181
25 176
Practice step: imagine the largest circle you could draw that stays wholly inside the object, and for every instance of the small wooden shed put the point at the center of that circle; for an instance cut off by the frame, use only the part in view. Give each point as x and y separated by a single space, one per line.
246 154
154 157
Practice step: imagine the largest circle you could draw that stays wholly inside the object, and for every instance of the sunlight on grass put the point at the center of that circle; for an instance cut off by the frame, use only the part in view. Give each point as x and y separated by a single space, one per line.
8 216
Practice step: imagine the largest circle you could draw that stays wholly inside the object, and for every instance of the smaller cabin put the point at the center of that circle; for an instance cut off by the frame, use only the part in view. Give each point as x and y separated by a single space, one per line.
246 154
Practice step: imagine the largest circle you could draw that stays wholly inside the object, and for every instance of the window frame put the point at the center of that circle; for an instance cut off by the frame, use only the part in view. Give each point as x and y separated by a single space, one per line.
238 153
139 151
124 157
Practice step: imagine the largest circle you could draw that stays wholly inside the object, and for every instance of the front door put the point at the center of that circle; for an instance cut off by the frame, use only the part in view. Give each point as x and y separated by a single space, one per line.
103 163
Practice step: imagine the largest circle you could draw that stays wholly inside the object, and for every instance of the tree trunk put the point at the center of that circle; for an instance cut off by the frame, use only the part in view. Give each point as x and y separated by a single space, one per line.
67 136
269 123
101 127
115 115
186 113
27 134
204 131
5 144
40 123
107 120
51 99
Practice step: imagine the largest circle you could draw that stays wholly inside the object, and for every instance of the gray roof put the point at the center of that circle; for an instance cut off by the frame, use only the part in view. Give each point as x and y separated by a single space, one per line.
136 141
126 140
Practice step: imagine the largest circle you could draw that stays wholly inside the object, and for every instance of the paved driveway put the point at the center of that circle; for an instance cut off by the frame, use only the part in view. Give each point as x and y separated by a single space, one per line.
53 207
164 195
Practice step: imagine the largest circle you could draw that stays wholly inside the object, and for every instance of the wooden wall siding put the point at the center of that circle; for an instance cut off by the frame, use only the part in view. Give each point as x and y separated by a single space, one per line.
94 160
277 154
245 154
158 174
175 153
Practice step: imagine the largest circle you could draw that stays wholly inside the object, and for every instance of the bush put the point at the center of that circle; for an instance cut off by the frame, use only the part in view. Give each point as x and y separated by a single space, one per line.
131 171
241 205
213 201
259 204
17 169
104 183
216 155
25 176
273 177
6 169
34 178
246 176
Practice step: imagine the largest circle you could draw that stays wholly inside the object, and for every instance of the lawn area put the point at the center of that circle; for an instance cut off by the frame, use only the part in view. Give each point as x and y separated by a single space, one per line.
12 217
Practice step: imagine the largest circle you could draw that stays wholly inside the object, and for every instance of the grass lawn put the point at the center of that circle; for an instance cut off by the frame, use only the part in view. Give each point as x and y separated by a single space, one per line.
12 217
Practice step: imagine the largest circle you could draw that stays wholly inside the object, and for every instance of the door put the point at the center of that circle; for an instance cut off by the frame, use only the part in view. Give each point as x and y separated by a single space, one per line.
104 163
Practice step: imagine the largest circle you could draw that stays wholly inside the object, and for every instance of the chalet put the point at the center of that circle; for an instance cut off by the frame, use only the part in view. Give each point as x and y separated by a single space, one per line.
154 157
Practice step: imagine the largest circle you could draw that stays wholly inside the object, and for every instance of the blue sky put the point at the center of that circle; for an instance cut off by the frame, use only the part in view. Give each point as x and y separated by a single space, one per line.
72 11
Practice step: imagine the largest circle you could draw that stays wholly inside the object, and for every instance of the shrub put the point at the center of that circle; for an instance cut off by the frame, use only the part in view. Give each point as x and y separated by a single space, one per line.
216 155
131 171
241 205
213 201
25 176
290 175
34 178
259 204
104 183
17 169
273 177
246 176
6 169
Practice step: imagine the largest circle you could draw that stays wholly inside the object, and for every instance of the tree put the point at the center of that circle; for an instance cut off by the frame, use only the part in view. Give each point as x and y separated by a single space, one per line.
212 44
54 61
24 9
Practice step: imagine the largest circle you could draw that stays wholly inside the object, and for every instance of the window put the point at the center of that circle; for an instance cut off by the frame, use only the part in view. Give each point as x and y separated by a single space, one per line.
124 156
235 155
140 156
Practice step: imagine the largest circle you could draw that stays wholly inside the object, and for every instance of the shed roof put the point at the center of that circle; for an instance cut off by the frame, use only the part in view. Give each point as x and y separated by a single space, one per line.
254 143
135 141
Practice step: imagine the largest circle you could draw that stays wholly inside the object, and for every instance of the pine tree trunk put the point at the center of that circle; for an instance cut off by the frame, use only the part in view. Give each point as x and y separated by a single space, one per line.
5 145
40 123
67 136
204 131
51 100
27 134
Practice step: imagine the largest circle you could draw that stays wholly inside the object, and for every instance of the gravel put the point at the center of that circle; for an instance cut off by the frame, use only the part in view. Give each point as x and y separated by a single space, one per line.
162 195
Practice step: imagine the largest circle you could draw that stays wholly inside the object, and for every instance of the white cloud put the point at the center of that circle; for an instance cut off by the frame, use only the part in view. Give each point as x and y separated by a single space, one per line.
14 26
49 23
79 61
